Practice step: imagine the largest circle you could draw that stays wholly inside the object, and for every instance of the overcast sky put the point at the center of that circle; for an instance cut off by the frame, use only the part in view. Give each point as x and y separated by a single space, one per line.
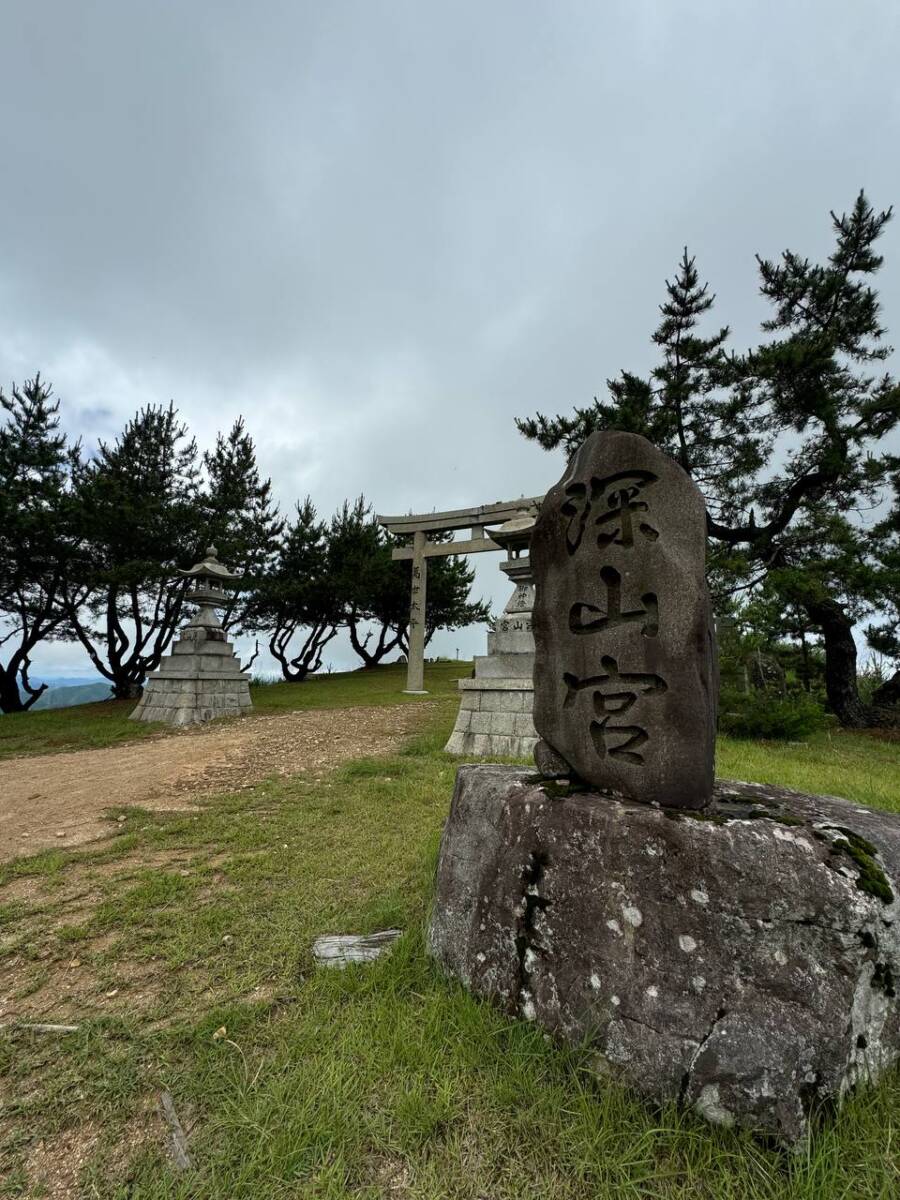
382 230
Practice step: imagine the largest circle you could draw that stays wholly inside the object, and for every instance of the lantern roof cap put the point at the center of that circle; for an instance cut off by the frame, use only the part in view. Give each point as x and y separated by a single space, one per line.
210 568
516 532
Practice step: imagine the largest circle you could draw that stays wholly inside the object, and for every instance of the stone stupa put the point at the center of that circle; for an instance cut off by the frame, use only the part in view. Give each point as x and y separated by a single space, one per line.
201 678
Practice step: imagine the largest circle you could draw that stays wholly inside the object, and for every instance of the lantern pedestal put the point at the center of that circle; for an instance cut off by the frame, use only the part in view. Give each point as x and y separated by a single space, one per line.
495 706
201 678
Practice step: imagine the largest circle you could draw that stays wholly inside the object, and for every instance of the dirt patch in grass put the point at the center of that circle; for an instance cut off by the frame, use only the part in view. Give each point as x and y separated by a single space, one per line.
55 1164
390 1175
56 966
61 800
78 988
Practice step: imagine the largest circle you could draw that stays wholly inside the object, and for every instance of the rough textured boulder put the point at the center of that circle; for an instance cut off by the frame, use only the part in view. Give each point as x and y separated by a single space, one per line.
743 960
625 666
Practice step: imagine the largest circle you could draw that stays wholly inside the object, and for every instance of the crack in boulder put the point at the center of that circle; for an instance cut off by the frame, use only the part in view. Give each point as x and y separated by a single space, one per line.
532 902
686 1077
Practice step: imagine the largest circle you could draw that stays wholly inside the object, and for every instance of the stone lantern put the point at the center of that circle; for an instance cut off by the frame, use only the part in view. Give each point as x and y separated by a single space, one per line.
200 678
496 705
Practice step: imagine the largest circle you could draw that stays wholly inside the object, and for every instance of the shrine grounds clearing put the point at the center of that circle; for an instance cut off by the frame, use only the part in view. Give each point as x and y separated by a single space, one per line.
180 947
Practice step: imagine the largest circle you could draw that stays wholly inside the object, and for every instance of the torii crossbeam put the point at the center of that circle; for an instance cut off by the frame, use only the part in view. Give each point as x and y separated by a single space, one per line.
419 526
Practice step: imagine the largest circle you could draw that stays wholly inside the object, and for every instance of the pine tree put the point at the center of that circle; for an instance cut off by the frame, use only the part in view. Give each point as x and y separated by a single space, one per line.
140 517
242 518
375 589
295 602
372 588
36 542
884 637
681 408
728 418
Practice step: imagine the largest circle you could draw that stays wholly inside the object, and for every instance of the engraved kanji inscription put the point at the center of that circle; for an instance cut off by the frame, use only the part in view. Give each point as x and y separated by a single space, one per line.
614 694
625 679
580 614
617 513
627 686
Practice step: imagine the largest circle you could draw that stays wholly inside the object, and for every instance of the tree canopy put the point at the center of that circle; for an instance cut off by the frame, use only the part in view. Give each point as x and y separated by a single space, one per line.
37 541
90 548
786 439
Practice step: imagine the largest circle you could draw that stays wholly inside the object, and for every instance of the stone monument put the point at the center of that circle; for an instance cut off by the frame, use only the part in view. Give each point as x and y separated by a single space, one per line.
494 715
737 952
625 690
201 678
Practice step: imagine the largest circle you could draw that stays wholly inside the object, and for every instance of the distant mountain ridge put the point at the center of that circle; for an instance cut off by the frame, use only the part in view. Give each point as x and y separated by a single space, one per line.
79 693
63 693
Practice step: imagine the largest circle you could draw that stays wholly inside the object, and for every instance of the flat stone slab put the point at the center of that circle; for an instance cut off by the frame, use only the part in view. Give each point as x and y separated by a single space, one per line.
344 949
743 960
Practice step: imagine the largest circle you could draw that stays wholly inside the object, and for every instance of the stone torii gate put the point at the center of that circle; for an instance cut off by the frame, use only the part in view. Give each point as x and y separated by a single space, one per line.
419 526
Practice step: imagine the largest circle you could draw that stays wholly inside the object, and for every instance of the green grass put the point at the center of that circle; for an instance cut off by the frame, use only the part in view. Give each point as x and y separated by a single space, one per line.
106 723
82 727
383 1081
836 763
381 685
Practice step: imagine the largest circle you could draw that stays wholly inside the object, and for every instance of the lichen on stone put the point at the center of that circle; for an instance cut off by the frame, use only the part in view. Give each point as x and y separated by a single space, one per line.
696 814
870 877
781 818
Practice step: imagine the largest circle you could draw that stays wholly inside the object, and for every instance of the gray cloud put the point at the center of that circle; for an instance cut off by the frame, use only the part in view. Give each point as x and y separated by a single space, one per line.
382 230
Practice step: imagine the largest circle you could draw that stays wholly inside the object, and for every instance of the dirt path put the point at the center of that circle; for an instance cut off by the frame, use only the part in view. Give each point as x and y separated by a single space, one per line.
59 799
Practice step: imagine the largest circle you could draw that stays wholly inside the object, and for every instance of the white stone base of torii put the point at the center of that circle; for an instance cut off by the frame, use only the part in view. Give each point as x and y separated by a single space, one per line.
495 709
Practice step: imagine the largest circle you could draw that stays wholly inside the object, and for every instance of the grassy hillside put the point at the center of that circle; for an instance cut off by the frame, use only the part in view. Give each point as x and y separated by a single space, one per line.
105 724
182 950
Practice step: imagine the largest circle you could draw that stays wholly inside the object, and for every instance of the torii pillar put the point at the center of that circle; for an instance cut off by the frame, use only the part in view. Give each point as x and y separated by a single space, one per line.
415 671
419 526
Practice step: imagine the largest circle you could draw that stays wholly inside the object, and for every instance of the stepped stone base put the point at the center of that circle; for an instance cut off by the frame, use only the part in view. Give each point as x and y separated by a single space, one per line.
494 718
744 961
200 680
193 701
495 707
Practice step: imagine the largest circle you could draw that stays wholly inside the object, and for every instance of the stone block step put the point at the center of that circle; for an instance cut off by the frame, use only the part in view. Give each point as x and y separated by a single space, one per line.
504 666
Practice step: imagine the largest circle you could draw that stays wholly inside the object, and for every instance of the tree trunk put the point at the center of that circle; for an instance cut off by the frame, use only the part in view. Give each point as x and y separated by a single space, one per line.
127 689
804 651
308 659
10 700
888 695
840 664
383 647
292 674
361 646
10 694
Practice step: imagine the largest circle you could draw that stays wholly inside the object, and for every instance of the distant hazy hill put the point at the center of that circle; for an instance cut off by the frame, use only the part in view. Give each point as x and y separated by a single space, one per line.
65 695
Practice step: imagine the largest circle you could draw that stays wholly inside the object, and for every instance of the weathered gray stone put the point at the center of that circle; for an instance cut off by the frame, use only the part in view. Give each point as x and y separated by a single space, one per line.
502 686
625 674
550 764
744 960
504 665
201 678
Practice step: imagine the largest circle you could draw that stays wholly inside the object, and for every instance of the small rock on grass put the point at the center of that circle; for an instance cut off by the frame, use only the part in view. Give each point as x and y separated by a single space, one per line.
339 950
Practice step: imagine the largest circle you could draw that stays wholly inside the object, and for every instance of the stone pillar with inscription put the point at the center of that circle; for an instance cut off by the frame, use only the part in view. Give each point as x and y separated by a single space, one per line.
495 705
625 667
415 674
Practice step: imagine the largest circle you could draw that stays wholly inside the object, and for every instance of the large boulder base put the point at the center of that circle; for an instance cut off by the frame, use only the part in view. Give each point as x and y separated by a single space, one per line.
744 960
